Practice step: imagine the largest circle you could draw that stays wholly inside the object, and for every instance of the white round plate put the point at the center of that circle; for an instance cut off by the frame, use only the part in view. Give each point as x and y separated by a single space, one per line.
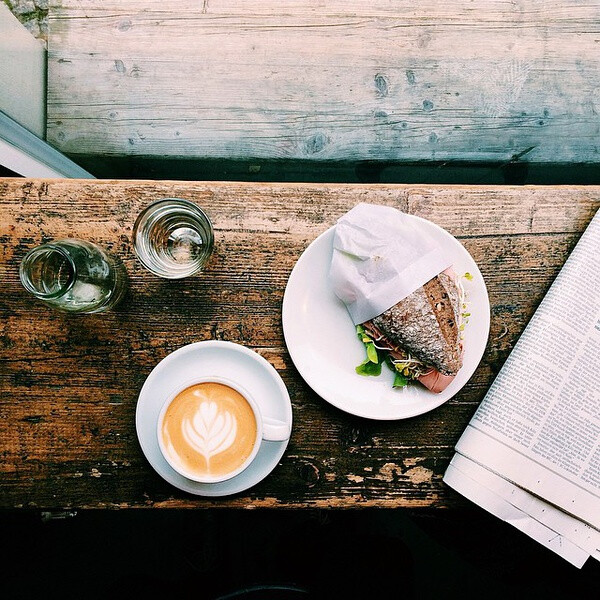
324 347
213 359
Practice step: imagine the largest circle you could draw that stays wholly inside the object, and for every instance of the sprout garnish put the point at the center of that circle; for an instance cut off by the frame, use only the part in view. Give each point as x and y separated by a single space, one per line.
404 369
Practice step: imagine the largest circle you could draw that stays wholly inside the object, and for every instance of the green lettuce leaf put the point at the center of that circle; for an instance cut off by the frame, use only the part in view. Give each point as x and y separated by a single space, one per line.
400 380
372 353
369 368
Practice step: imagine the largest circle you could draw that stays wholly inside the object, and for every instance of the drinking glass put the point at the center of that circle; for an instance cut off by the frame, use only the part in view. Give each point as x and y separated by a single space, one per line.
173 238
73 276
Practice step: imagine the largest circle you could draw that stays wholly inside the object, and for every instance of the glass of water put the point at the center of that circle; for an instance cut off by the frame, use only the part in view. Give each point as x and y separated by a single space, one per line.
73 276
173 238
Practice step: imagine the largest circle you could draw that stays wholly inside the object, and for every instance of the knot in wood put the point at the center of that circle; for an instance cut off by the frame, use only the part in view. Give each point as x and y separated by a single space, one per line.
381 85
309 473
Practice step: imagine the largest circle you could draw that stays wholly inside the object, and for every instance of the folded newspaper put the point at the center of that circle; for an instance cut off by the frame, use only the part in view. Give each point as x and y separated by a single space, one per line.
531 453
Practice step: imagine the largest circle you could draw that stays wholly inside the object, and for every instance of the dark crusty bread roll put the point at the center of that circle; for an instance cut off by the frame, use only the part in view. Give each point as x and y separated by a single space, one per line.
426 324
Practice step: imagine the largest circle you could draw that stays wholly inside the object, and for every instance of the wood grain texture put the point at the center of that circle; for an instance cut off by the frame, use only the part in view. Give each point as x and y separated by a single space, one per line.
69 384
475 80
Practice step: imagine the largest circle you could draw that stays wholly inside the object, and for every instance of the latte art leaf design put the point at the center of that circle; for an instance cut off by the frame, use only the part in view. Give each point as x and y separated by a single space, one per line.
210 431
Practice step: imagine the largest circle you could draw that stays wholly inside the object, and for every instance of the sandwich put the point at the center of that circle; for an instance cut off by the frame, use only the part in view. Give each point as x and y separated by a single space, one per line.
419 338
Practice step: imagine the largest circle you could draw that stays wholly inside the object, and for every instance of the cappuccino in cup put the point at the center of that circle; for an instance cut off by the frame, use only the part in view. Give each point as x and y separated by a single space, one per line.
209 431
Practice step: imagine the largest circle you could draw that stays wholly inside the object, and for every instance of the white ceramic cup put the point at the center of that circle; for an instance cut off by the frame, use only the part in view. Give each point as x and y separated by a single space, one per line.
267 429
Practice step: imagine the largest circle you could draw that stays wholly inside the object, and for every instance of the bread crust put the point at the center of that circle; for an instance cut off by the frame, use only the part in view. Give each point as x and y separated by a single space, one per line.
426 324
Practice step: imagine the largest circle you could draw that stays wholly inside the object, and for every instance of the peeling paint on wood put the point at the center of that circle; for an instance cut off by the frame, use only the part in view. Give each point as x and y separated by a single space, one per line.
355 478
69 384
419 475
388 472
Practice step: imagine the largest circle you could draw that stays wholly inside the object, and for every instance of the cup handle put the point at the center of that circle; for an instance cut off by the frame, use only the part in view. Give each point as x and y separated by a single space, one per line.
275 431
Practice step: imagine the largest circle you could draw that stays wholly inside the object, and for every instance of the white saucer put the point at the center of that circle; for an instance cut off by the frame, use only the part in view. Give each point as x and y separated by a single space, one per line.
218 359
324 347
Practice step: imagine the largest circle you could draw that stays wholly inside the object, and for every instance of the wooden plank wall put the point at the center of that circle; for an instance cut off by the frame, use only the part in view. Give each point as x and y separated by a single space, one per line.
462 80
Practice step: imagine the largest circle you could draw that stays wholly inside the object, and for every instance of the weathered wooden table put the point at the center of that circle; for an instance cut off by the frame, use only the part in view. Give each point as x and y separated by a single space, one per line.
69 384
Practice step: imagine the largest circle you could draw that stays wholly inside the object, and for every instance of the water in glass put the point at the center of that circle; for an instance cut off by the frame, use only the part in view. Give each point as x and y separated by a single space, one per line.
173 238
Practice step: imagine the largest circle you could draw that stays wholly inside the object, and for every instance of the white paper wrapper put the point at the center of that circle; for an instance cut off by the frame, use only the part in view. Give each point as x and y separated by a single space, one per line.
380 256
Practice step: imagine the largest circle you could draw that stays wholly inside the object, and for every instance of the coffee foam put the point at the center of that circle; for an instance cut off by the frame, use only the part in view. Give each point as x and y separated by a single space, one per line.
209 430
